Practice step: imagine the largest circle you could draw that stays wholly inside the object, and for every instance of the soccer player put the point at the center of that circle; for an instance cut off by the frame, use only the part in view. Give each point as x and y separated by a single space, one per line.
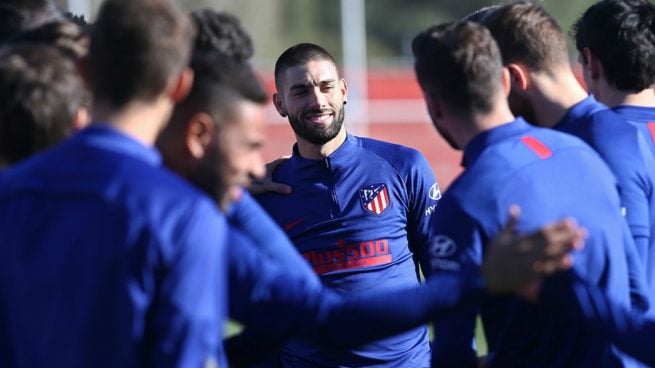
359 209
107 258
546 93
548 174
616 42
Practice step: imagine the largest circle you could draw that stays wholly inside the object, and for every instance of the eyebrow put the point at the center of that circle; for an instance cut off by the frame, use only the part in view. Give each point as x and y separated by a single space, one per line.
305 85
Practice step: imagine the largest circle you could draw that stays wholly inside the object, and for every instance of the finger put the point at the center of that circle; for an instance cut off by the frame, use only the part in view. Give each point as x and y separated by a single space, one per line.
551 266
260 187
561 237
271 166
279 188
513 219
580 240
510 227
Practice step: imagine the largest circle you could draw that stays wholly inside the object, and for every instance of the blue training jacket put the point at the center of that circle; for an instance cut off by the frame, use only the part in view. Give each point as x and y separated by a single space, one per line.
275 304
359 217
627 154
550 175
108 260
643 118
575 299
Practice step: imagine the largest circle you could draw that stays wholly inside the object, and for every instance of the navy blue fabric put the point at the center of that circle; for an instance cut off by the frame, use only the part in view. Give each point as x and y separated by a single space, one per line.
108 260
275 304
248 216
575 299
642 118
550 175
354 246
626 152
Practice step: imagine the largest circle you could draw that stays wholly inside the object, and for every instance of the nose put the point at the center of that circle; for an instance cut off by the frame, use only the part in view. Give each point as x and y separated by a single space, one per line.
319 99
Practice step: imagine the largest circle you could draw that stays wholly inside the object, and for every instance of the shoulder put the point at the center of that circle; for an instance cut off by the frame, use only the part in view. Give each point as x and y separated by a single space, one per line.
403 158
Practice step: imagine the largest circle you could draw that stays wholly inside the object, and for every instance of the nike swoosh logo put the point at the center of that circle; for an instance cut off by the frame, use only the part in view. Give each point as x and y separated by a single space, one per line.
292 224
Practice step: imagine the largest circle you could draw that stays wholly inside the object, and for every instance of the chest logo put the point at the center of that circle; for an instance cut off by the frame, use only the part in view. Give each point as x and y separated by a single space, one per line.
375 198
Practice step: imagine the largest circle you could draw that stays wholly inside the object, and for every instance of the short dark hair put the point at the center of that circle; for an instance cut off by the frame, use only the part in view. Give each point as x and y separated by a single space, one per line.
220 82
41 92
460 63
299 54
17 16
66 36
481 14
222 32
526 33
78 19
621 34
215 68
136 47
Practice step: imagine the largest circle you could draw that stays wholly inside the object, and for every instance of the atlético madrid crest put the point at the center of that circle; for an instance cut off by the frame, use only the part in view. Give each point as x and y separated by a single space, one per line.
375 198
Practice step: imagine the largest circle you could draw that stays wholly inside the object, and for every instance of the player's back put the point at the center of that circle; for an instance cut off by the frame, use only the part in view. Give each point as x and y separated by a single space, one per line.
627 153
107 260
550 175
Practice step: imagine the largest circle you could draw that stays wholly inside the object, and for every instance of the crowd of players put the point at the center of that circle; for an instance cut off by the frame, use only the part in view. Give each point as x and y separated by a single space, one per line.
127 235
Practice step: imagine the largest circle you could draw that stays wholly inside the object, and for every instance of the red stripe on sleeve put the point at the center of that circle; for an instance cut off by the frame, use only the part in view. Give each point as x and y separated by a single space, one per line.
537 147
651 128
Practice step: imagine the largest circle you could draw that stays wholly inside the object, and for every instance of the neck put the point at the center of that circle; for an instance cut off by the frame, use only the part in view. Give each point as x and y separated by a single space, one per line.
139 120
614 97
553 96
475 124
318 151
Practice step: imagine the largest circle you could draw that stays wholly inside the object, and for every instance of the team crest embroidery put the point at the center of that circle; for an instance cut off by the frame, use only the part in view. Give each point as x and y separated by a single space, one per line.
375 198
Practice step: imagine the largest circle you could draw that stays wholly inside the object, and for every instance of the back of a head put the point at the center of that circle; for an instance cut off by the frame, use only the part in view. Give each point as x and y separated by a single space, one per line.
220 82
136 48
41 91
480 15
222 32
17 16
299 54
219 69
621 35
66 36
527 34
459 63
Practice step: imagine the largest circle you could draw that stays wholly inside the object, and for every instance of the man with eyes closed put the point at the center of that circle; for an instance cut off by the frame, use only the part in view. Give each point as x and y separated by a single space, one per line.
357 210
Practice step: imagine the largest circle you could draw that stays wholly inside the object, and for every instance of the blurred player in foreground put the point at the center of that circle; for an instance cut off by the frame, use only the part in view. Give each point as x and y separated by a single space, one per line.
109 259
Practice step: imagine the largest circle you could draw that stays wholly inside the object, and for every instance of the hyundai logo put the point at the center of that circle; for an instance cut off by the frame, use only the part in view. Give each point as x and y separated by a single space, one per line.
435 192
442 246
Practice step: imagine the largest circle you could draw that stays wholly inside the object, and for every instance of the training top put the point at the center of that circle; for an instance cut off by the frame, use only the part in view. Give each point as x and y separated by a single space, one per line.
248 216
359 217
550 175
275 304
575 299
108 260
627 154
643 118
